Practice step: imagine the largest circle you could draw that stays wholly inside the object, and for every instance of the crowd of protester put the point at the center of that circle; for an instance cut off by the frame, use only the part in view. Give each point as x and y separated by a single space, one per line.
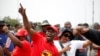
52 40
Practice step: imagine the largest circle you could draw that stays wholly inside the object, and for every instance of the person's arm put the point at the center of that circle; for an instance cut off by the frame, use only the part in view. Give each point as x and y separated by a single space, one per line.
86 43
27 25
95 46
1 51
12 37
7 52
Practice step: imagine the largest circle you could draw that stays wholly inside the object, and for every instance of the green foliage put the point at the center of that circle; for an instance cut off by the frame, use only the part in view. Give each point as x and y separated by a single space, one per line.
11 21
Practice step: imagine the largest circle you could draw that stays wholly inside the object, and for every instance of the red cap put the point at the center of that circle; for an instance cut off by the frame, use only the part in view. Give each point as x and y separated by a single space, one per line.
21 32
53 27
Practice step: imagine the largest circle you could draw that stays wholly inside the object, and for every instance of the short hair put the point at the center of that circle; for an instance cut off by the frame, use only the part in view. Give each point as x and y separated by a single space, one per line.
80 24
86 24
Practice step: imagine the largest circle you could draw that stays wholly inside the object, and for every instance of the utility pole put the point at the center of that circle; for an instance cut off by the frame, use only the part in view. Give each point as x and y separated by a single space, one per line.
90 51
93 12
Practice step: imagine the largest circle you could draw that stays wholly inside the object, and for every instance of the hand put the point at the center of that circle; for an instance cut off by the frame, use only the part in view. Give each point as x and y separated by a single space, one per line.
67 48
5 29
22 10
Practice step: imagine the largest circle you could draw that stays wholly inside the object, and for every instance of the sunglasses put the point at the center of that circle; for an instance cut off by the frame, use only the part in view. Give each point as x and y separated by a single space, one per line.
67 35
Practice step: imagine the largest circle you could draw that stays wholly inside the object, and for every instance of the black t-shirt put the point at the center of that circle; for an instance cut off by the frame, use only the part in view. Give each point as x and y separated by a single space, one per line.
93 35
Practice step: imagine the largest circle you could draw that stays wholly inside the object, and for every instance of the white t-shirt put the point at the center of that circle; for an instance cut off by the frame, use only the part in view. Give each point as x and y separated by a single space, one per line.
8 42
74 44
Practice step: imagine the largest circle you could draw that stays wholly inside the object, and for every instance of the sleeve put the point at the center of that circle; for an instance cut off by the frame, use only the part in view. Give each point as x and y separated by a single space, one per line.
8 42
93 35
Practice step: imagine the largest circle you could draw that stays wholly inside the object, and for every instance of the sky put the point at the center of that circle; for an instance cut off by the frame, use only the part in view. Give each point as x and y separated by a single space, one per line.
55 11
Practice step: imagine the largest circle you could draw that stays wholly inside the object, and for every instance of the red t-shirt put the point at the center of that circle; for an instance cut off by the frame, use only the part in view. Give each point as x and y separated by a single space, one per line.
42 48
24 51
98 52
56 38
42 33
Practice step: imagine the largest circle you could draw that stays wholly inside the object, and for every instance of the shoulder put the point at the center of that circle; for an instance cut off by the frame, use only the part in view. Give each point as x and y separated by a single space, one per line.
77 44
56 41
25 42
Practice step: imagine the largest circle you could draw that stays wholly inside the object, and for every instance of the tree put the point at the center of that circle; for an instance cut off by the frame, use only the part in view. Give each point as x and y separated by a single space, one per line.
11 21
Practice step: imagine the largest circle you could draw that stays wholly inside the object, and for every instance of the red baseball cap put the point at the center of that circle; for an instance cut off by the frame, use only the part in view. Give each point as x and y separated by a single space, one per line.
52 27
21 32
